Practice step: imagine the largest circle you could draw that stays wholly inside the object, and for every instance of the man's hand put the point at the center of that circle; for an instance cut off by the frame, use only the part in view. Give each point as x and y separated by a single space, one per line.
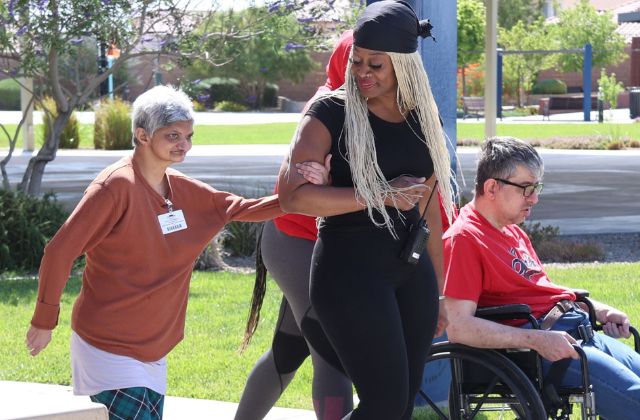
554 345
37 340
615 323
316 173
443 319
413 188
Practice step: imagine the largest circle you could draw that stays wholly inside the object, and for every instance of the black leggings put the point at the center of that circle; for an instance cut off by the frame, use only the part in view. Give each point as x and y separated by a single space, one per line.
379 313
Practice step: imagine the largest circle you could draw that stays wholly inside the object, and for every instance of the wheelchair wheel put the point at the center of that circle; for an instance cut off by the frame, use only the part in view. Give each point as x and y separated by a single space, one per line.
481 381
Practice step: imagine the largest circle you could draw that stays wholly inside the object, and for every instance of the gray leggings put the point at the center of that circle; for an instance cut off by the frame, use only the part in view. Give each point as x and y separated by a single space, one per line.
288 259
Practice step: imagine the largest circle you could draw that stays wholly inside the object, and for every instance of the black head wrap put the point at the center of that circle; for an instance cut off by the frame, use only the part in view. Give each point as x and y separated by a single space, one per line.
390 26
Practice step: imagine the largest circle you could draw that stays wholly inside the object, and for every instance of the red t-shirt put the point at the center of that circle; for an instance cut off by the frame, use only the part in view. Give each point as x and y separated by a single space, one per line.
490 267
299 225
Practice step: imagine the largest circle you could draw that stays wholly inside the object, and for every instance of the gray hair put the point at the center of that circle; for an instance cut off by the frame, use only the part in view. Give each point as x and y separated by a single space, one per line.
500 157
158 107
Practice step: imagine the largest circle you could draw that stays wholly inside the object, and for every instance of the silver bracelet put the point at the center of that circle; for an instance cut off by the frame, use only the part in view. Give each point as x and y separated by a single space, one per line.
442 297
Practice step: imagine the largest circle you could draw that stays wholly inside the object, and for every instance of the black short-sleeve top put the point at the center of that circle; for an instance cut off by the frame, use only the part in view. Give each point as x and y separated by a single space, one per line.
400 150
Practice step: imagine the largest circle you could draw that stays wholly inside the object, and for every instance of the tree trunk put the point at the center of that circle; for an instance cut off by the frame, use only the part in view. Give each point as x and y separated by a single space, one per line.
520 93
32 179
12 146
464 81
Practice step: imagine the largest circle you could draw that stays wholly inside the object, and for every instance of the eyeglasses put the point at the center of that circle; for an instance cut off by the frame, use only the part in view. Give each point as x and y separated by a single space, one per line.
527 190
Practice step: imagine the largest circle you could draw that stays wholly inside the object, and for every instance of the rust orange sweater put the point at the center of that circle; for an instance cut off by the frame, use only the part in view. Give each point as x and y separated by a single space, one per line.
136 280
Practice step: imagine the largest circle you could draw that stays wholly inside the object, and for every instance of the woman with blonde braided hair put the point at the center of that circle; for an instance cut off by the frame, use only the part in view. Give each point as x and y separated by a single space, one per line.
377 303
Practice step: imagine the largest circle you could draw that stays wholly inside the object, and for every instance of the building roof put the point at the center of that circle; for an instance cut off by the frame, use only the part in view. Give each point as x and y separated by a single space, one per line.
600 5
629 30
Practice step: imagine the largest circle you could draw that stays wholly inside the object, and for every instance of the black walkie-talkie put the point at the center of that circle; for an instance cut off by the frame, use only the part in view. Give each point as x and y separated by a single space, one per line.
416 242
418 236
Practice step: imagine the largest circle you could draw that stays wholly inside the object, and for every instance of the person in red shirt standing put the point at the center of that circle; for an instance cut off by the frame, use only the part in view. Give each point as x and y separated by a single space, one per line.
286 245
489 261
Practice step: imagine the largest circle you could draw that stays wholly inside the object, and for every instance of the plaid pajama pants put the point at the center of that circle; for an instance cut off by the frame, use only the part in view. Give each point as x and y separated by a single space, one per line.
137 403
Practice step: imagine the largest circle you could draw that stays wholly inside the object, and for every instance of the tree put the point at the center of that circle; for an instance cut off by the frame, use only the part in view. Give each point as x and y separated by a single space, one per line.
610 89
471 28
511 12
581 25
280 52
522 69
38 36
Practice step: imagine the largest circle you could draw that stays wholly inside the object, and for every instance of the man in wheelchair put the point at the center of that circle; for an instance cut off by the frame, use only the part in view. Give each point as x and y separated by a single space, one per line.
490 261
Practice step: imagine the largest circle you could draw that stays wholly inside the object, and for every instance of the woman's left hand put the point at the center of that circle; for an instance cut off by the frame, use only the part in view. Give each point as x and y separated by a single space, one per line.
316 173
443 319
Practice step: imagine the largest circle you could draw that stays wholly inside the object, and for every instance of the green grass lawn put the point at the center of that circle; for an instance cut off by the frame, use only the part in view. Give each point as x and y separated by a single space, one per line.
549 131
206 364
281 133
276 133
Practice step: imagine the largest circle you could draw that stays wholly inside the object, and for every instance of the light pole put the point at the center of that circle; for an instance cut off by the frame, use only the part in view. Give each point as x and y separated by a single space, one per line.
112 54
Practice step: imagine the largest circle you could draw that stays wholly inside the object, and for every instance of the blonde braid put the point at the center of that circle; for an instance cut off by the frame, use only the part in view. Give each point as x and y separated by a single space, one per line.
414 93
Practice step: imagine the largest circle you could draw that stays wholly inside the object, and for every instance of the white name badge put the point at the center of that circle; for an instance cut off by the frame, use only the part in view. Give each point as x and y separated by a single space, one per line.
172 222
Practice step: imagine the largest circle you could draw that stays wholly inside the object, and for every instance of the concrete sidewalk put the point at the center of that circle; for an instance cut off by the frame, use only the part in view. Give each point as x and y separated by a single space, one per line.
25 400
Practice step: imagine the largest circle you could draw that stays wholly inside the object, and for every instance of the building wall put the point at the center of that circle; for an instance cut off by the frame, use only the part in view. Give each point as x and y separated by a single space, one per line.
622 70
305 89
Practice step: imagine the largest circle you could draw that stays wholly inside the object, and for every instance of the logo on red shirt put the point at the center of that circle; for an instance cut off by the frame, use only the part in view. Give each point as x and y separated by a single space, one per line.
523 264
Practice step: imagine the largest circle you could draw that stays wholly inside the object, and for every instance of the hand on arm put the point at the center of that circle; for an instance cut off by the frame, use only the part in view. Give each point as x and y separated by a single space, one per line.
316 173
413 190
297 194
465 328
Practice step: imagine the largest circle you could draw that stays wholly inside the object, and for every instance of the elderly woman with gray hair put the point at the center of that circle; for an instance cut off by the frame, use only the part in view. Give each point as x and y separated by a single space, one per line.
141 226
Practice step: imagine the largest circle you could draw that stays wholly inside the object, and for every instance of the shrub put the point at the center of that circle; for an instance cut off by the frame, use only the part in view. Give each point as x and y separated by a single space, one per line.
26 225
270 95
538 233
210 259
210 91
9 95
70 136
610 88
615 145
551 249
563 251
549 87
112 126
228 106
239 238
198 106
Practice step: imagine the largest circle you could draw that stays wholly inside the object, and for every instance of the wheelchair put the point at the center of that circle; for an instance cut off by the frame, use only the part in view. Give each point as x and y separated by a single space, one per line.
507 381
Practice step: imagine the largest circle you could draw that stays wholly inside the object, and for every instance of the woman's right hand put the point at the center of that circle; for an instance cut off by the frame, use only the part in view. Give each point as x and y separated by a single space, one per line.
37 340
413 188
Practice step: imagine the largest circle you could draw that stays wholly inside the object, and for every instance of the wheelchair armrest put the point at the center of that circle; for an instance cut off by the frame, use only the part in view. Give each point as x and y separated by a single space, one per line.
507 312
513 311
581 294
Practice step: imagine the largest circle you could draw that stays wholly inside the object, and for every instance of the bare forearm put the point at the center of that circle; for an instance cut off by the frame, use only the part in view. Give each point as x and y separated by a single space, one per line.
319 200
477 332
